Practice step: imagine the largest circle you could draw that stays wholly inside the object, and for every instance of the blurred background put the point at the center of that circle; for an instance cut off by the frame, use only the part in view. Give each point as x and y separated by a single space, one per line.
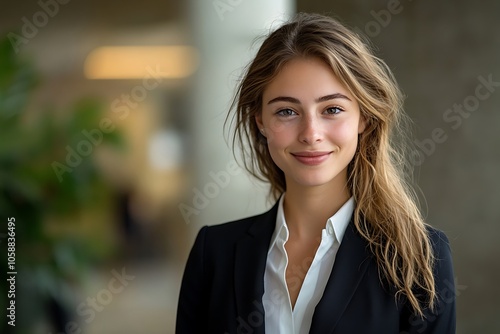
113 156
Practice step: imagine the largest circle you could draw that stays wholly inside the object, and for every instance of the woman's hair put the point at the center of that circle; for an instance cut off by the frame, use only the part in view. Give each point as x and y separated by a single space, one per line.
386 213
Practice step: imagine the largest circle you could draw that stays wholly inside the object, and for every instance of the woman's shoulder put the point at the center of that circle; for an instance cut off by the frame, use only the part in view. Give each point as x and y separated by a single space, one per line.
438 238
235 229
234 226
443 266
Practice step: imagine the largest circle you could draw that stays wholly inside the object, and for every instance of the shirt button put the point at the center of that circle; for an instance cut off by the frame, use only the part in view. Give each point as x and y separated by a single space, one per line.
329 229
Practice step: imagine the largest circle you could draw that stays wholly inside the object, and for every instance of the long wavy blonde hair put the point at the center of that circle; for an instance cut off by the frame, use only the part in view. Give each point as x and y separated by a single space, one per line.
387 214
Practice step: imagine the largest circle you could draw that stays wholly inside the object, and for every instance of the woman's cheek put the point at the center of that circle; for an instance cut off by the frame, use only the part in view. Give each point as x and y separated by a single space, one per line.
278 132
343 133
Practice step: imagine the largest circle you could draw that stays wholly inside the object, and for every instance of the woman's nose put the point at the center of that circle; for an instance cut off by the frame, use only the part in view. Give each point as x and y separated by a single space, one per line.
310 130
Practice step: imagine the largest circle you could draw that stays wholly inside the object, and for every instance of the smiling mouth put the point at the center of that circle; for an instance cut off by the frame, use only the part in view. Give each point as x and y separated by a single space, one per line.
311 158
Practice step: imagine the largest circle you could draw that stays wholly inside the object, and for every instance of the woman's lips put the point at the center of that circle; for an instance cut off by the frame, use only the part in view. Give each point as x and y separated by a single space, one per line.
311 158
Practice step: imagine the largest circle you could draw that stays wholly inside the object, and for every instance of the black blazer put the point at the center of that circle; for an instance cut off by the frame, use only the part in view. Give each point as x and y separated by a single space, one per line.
223 284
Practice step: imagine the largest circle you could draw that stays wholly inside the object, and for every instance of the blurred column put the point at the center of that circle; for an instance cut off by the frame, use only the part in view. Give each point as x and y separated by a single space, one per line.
225 33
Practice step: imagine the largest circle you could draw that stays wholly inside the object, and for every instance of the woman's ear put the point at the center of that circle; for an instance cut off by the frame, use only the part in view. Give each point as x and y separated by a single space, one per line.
260 125
362 124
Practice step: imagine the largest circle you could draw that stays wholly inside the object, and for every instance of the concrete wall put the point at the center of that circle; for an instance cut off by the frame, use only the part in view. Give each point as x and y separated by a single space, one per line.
443 53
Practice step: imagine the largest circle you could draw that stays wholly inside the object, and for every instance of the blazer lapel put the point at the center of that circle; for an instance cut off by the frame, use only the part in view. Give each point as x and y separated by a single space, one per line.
250 263
348 270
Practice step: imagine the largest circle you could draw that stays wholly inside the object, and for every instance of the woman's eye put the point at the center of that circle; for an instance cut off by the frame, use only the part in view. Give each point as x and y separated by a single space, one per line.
334 110
286 112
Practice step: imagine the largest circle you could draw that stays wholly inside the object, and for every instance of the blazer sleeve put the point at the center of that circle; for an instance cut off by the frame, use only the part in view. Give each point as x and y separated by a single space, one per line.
441 320
192 305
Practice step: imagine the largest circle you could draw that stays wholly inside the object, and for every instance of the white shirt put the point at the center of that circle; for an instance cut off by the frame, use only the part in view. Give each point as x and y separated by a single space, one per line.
280 318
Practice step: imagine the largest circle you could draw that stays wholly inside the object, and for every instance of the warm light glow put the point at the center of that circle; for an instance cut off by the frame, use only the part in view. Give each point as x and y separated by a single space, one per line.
132 62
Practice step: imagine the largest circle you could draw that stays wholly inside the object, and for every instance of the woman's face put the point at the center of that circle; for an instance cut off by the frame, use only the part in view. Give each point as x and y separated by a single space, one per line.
311 123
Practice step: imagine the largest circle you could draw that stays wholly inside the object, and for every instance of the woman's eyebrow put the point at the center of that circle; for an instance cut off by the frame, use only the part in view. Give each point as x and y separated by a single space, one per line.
284 99
318 100
332 97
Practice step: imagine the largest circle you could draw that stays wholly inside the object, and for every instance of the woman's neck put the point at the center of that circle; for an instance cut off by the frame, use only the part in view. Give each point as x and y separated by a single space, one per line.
307 209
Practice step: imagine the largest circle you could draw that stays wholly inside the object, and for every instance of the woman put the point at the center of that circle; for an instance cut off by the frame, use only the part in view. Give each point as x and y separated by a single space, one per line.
344 249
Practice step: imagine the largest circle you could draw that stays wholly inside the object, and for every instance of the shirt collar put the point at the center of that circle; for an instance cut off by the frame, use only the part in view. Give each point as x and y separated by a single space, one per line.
341 219
335 225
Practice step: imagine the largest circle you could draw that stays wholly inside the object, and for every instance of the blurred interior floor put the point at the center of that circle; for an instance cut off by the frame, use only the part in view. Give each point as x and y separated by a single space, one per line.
147 305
